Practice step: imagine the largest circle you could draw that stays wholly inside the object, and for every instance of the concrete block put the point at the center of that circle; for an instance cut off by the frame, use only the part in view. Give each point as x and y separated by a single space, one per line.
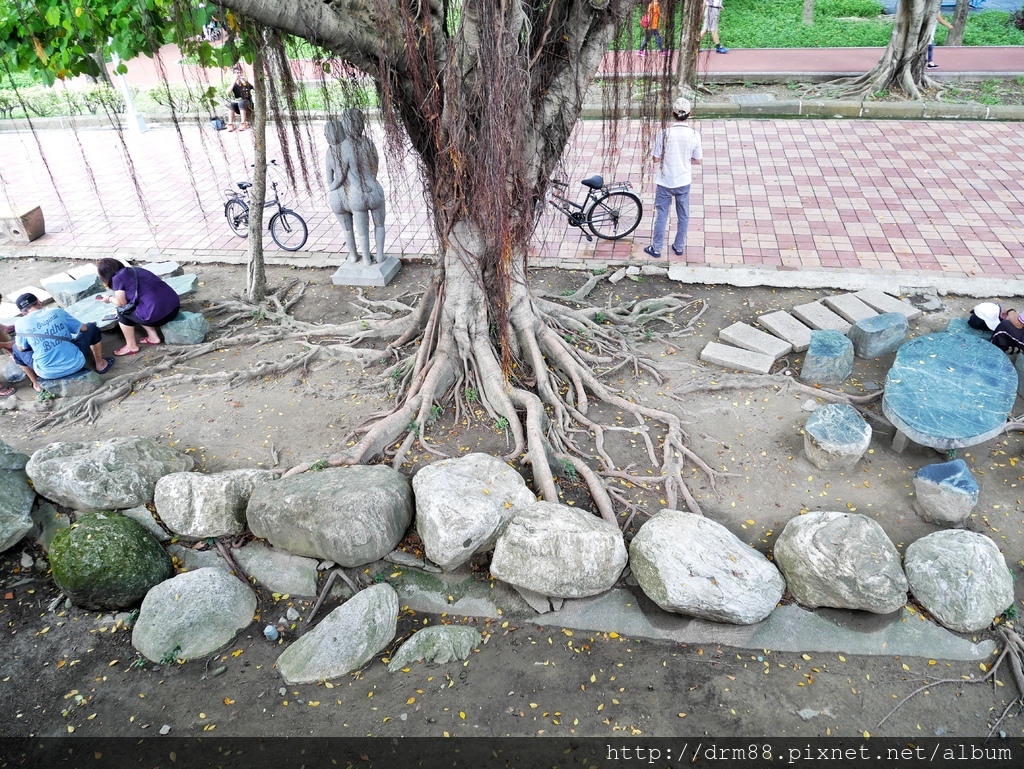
818 316
785 326
849 307
881 301
22 225
44 297
736 358
376 274
750 338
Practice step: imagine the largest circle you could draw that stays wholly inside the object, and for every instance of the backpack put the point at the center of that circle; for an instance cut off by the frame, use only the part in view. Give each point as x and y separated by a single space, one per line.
645 21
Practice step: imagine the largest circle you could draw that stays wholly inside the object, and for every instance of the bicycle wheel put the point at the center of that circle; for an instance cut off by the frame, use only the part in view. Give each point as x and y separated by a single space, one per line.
288 230
615 215
237 214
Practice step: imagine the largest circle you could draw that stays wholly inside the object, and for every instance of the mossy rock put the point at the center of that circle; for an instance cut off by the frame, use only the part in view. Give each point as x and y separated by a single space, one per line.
106 561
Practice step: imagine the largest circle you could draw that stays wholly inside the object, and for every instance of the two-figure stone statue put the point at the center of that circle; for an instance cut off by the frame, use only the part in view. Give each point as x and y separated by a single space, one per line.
355 193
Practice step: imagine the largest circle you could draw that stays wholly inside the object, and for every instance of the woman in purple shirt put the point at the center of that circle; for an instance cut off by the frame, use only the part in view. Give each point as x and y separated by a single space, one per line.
141 299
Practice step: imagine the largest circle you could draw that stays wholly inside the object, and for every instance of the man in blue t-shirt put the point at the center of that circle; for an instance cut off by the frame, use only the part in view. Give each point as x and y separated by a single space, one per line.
50 344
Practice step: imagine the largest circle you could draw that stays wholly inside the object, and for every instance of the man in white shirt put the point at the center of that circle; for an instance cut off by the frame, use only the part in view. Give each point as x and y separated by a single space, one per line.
677 148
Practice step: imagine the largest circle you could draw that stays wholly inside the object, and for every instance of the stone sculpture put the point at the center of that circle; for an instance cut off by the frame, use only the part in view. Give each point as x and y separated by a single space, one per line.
355 193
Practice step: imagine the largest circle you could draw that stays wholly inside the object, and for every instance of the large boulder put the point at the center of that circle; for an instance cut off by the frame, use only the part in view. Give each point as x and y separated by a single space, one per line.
345 640
186 328
110 475
16 497
349 515
960 577
463 504
197 505
439 644
691 565
841 560
107 561
559 551
192 615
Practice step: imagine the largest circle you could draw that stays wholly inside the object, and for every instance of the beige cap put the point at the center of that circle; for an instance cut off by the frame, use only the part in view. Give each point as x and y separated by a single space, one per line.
682 106
989 312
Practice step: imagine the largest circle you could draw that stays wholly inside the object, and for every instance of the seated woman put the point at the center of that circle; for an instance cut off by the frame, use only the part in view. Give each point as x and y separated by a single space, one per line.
141 299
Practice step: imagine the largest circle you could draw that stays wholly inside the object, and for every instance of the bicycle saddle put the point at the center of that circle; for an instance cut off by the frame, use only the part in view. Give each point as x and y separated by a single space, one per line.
244 185
594 182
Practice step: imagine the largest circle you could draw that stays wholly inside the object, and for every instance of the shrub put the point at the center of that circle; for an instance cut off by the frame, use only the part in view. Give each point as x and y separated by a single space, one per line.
865 9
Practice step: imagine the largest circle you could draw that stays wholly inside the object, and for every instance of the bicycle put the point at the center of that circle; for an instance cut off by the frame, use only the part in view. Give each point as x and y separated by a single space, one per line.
287 228
610 212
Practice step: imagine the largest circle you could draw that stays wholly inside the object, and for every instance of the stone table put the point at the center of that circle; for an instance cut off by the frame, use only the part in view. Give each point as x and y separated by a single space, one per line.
948 391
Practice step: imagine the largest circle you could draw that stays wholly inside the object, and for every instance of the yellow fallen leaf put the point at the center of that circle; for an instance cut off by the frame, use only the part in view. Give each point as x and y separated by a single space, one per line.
842 658
237 652
866 733
112 663
613 634
410 701
805 656
462 715
228 701
567 632
681 715
593 678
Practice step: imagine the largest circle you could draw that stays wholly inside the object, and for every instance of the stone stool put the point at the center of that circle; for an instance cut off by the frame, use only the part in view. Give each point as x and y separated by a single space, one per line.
829 359
959 326
945 493
187 328
836 436
879 335
22 225
82 382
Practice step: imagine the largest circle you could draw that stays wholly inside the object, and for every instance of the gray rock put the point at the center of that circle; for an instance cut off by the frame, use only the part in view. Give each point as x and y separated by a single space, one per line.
439 644
349 515
82 382
879 335
960 577
945 493
556 550
278 571
345 640
12 373
197 505
836 436
190 559
692 565
841 560
187 328
142 515
67 293
539 603
192 615
16 497
183 285
111 475
402 558
463 504
164 269
106 561
47 522
829 358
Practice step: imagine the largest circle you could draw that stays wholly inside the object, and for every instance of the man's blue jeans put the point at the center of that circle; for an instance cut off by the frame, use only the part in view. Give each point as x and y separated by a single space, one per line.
663 198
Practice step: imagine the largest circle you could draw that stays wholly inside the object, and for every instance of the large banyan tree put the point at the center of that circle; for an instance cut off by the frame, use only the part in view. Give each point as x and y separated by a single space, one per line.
487 92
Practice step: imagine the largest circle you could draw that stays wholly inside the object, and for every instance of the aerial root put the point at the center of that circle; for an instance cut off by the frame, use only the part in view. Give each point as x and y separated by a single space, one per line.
1013 648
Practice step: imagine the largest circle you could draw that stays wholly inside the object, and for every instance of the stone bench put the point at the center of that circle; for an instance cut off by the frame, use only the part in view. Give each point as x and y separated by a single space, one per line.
945 493
22 225
187 328
828 360
879 335
836 436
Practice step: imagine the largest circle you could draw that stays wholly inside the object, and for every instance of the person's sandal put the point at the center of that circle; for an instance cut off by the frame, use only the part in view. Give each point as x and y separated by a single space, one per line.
6 391
651 252
677 251
243 127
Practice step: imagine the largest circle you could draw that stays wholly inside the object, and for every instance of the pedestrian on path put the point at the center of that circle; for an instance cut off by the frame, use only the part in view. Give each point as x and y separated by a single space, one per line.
51 344
931 43
652 29
677 149
712 10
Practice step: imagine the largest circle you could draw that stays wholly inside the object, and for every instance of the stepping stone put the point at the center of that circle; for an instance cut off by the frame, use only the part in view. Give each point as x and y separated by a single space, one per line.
945 493
785 326
879 334
70 292
44 297
750 338
882 302
163 269
818 316
836 436
737 358
829 359
83 270
849 307
60 277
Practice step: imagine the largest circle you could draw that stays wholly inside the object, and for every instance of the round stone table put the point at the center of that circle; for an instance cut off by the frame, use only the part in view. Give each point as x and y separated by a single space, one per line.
949 391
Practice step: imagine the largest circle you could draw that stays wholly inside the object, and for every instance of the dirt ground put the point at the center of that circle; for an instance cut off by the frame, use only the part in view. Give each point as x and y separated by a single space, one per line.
70 671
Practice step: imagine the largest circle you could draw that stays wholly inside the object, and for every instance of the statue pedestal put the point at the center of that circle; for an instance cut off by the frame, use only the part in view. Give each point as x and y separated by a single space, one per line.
361 274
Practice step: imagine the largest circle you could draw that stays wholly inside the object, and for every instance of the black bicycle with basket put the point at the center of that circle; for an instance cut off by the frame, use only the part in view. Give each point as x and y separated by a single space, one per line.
610 212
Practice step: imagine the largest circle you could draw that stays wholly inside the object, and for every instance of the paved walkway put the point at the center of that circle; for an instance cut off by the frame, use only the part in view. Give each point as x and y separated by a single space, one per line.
835 196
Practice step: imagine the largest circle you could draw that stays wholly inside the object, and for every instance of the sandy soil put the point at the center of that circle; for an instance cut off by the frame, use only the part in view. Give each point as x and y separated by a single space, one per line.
73 671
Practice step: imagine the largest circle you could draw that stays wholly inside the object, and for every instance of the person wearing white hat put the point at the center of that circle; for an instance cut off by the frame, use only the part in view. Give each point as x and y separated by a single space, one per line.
677 148
986 316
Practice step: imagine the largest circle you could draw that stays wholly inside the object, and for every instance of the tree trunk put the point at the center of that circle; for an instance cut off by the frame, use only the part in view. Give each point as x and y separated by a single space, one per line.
902 66
959 22
689 46
809 12
256 274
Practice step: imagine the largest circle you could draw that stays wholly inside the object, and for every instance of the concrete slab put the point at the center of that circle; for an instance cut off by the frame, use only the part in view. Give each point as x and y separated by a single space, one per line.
737 358
44 297
750 338
60 277
881 301
785 326
850 307
164 269
82 270
818 316
376 274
